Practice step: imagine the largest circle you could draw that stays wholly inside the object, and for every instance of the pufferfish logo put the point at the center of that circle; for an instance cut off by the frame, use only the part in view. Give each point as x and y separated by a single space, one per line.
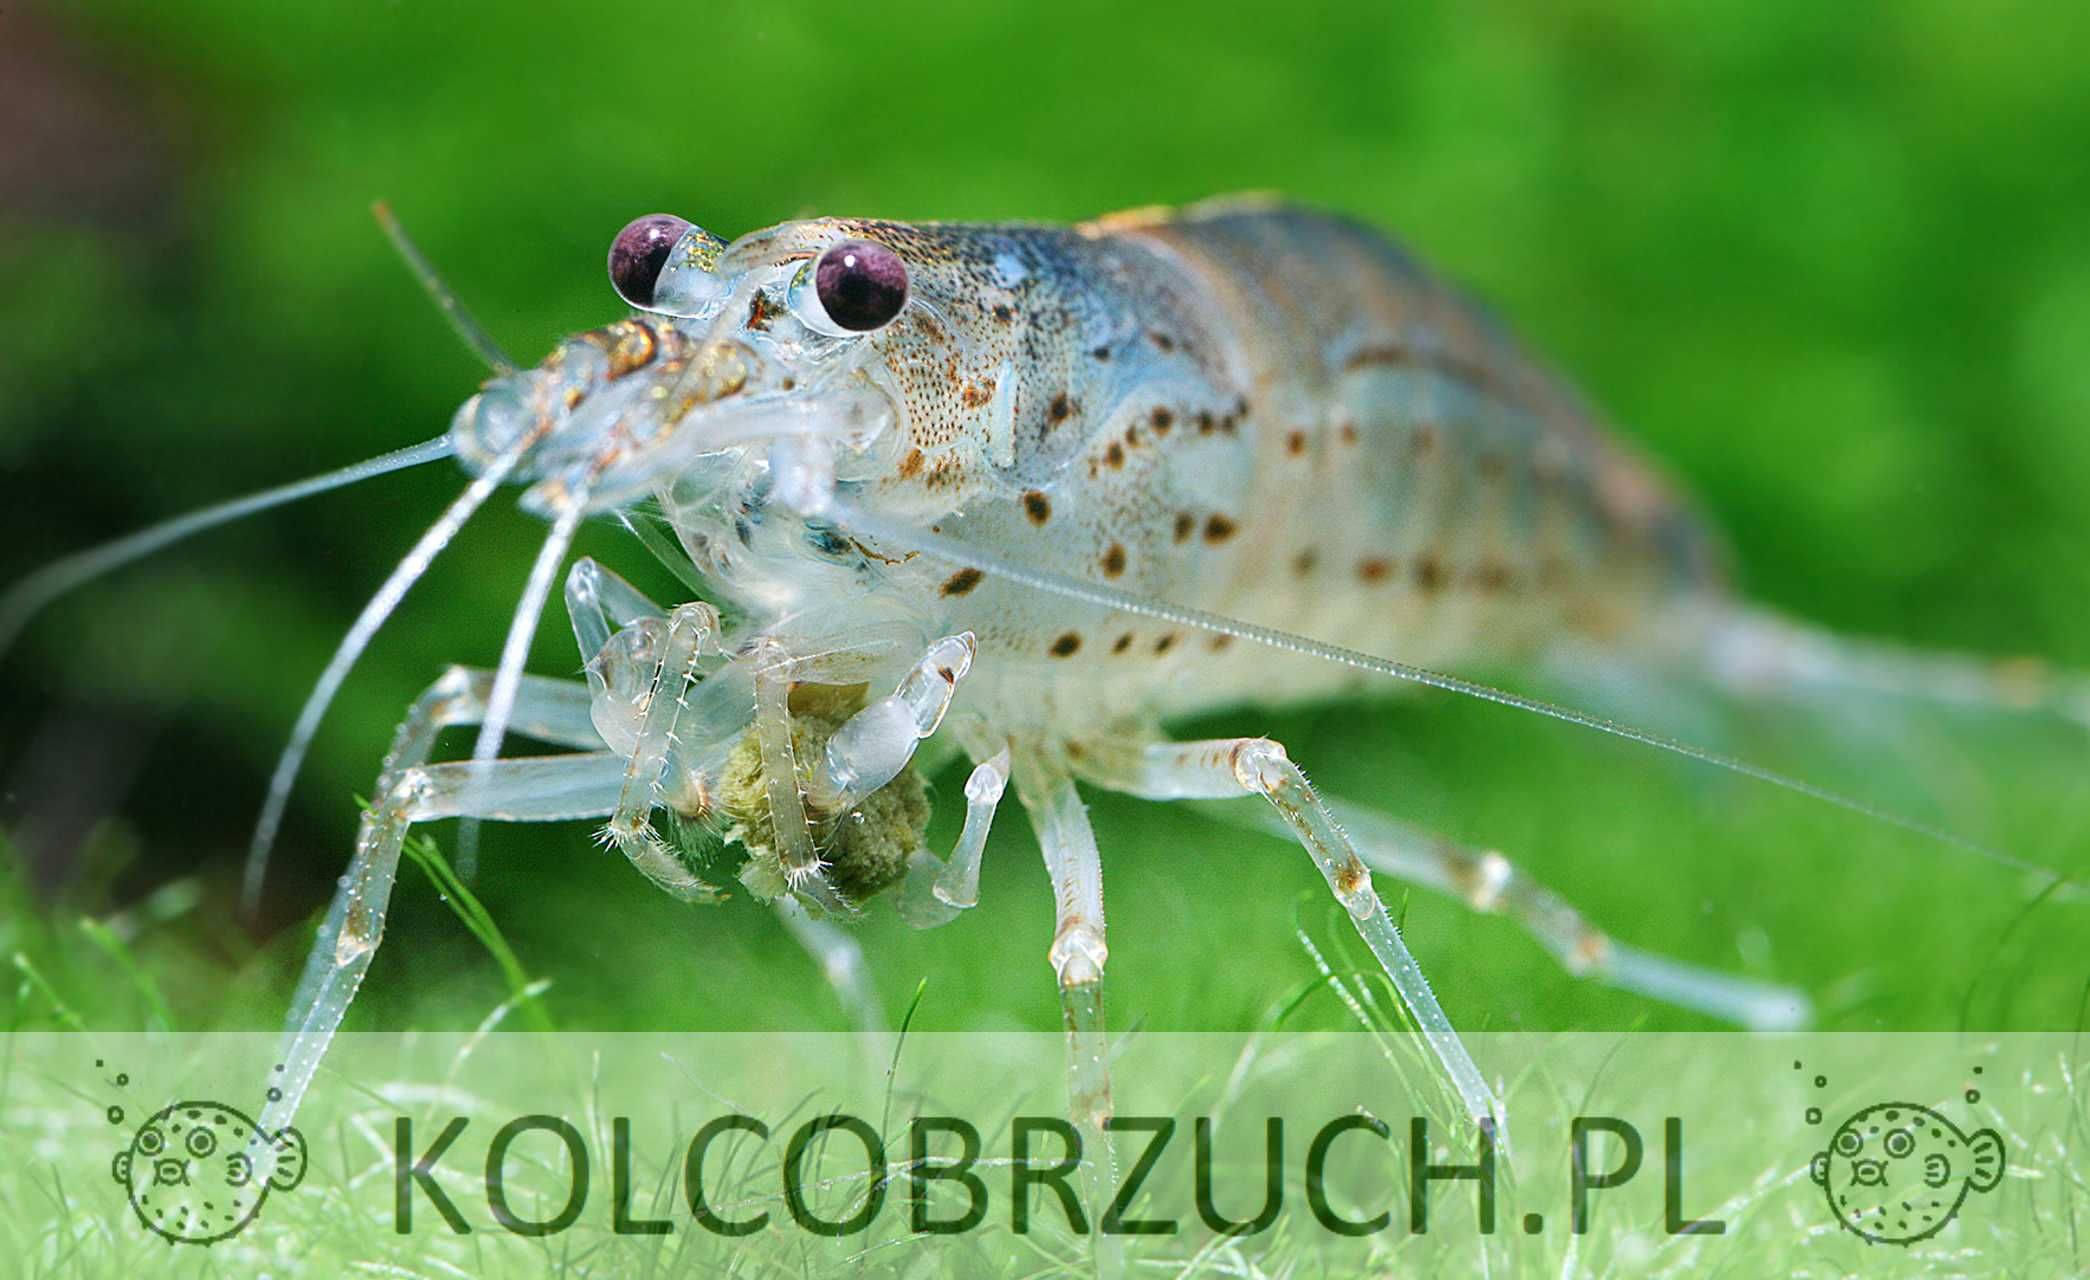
192 1170
1897 1172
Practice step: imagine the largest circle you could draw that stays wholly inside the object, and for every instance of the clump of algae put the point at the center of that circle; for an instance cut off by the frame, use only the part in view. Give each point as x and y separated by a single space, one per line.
866 848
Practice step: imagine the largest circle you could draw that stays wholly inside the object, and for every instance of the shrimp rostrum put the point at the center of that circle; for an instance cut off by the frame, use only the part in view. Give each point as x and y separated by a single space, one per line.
1028 494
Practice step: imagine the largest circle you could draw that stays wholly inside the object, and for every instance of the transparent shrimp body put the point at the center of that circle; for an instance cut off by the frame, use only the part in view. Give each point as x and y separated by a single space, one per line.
804 410
1026 494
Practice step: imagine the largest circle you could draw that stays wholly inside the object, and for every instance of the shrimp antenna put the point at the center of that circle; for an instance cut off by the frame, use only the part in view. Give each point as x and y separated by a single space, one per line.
360 633
27 598
515 652
957 552
439 292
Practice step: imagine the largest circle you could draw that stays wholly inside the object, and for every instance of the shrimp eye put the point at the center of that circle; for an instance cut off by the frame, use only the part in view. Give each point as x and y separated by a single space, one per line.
861 285
640 251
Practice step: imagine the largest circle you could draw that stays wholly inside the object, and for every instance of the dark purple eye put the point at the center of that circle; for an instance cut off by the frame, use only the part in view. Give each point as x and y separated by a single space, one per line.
640 251
862 286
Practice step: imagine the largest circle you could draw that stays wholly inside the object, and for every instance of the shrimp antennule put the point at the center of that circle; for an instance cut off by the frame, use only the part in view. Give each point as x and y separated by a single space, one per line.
462 322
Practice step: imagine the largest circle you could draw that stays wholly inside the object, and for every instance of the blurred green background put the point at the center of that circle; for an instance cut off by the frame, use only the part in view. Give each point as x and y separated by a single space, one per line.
1831 263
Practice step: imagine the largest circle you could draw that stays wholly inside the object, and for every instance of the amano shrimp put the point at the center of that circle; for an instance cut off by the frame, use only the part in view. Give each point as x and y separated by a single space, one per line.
1029 494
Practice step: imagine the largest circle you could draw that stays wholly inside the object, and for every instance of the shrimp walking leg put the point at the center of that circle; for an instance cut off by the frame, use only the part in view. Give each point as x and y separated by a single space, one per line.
1487 881
773 673
936 892
1224 767
598 603
1077 955
691 629
408 791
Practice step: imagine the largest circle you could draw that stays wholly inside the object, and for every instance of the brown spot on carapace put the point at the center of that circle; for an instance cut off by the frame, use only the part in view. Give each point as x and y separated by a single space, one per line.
1348 432
1165 643
1494 576
1295 443
1423 439
759 312
1218 528
1220 643
1375 569
1162 418
1061 409
1206 423
1305 562
1100 353
910 464
1037 506
1185 523
1114 560
1067 645
1003 312
962 581
1429 571
1161 341
1114 455
976 394
1124 642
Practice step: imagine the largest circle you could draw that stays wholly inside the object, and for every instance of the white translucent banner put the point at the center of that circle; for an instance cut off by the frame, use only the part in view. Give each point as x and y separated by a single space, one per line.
948 1154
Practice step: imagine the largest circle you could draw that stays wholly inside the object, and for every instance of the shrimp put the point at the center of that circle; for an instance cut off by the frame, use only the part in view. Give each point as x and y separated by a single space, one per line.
1028 494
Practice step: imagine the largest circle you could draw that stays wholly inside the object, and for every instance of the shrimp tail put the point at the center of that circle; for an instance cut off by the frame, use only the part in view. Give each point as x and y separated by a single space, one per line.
1759 654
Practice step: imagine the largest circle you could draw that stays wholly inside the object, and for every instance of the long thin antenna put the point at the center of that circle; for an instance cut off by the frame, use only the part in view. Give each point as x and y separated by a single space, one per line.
474 334
943 547
515 652
380 606
27 598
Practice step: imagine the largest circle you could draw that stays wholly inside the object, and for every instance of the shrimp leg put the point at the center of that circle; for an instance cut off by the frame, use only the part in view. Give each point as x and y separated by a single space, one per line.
1224 767
630 827
1487 881
598 602
538 789
1077 955
935 892
873 745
